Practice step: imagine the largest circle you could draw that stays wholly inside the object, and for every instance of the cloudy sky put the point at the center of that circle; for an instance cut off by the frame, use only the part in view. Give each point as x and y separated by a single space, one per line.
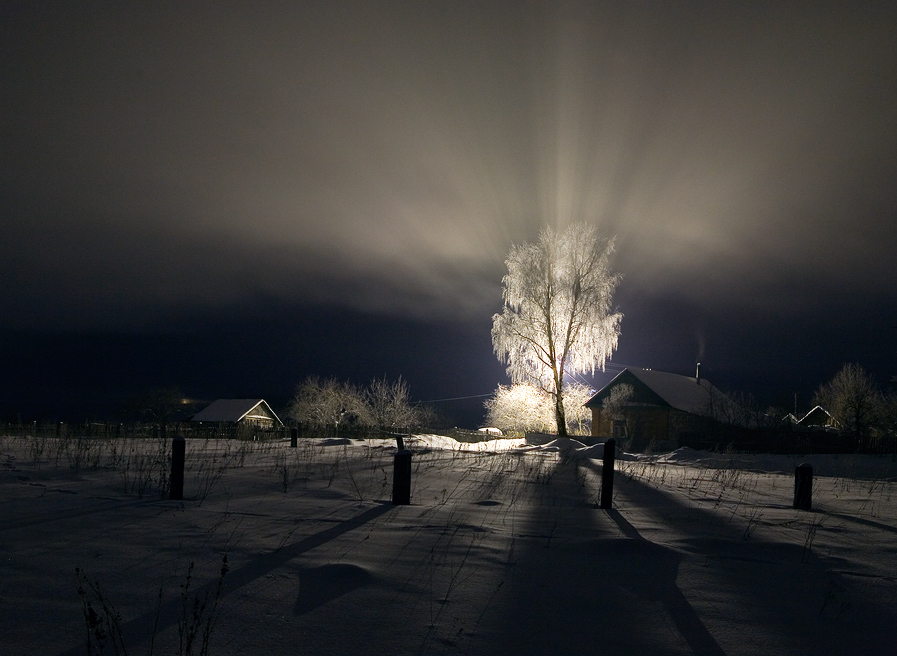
230 196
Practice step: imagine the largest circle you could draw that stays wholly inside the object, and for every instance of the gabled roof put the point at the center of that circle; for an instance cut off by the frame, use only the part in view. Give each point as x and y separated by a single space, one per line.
234 410
661 388
818 416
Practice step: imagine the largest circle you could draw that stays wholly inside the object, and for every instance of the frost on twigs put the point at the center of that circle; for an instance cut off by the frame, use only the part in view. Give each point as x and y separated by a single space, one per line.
525 407
383 404
557 317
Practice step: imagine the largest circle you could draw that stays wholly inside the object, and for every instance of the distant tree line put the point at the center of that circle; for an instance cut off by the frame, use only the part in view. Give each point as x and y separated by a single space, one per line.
383 404
859 411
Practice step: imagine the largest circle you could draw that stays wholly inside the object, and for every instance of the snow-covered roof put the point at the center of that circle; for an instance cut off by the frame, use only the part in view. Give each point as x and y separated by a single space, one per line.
234 410
817 416
685 393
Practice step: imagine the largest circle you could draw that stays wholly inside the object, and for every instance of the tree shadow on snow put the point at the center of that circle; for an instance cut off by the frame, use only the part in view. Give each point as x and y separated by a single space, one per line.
319 585
585 589
785 596
143 627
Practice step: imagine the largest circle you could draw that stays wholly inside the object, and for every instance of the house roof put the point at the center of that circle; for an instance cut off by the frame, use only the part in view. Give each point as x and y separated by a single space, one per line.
817 416
680 392
235 410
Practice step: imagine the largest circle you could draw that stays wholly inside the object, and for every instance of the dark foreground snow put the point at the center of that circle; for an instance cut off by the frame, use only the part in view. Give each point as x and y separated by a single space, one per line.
502 551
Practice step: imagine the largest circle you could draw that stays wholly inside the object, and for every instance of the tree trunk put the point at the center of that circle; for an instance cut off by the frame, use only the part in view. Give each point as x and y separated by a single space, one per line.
559 415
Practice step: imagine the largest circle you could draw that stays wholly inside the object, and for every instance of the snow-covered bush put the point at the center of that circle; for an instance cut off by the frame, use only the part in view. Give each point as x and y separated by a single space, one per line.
525 407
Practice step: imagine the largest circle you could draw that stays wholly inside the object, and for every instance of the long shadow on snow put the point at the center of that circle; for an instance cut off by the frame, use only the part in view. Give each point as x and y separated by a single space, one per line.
141 628
786 590
863 521
66 514
318 585
578 587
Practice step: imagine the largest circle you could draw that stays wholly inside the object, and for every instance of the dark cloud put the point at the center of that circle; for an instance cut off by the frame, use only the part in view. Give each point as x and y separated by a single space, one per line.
170 162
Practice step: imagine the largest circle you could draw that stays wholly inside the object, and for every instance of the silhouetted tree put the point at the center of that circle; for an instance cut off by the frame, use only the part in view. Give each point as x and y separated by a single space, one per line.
328 403
852 398
389 404
162 405
383 404
888 411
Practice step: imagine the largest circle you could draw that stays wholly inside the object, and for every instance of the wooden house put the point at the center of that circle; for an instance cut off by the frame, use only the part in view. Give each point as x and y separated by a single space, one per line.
242 412
817 418
657 408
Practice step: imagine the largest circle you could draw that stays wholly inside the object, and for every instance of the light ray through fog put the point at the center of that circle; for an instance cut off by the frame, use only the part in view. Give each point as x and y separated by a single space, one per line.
404 153
163 169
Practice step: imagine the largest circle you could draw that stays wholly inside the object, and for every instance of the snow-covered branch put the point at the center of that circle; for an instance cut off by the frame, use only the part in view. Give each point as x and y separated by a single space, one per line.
557 313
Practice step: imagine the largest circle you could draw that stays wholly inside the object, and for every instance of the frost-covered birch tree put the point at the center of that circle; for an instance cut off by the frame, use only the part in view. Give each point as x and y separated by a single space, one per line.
557 317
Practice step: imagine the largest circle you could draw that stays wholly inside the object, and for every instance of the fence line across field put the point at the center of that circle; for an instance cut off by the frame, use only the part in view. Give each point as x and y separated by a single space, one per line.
212 431
783 442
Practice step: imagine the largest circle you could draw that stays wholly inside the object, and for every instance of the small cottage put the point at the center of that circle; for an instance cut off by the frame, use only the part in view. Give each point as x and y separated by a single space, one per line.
642 406
817 418
242 412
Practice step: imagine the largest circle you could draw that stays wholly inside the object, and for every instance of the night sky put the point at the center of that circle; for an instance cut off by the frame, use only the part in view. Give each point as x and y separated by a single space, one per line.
231 196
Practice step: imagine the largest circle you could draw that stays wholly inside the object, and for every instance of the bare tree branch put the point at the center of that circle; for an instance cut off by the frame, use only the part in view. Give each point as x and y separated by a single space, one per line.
557 314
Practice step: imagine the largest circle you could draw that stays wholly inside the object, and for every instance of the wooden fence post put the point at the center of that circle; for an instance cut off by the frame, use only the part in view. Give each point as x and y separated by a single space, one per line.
178 452
803 486
401 478
607 474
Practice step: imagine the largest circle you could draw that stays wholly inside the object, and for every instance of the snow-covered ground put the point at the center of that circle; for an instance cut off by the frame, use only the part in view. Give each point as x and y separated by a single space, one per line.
503 550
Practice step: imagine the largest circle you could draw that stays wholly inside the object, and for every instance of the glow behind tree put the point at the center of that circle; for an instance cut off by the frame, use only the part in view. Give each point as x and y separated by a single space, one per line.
557 315
525 407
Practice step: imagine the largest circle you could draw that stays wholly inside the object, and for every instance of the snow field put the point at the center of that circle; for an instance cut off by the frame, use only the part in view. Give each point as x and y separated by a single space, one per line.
502 549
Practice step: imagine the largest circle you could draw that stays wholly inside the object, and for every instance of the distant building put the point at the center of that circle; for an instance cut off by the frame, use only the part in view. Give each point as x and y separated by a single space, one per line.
662 408
243 412
817 418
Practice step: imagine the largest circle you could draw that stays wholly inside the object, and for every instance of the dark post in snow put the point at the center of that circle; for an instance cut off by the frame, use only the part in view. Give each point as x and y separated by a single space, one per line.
178 450
401 475
294 437
803 486
607 474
